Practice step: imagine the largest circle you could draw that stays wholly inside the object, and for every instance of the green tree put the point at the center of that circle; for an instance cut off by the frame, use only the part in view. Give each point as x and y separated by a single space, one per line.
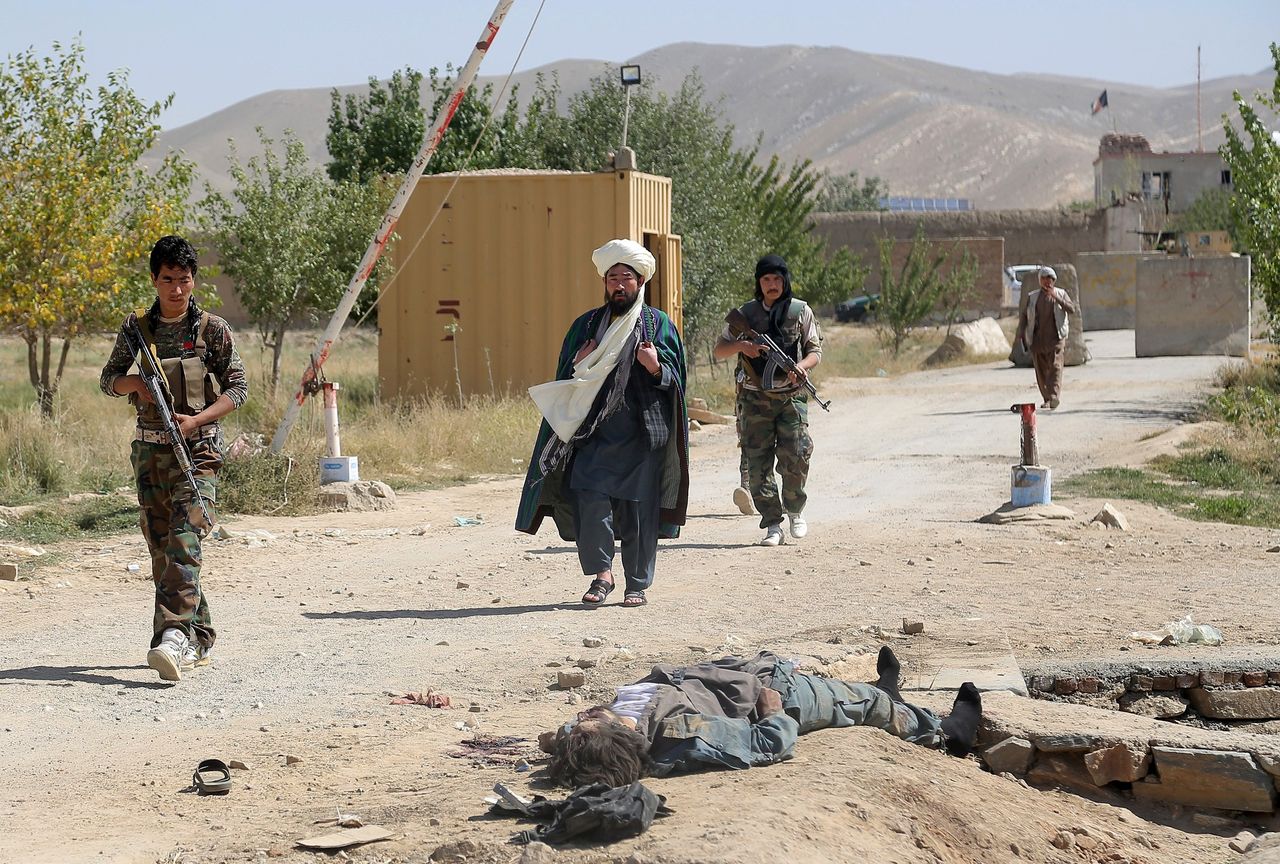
379 133
785 202
679 136
957 293
292 238
78 213
1211 211
473 138
910 294
1253 155
841 193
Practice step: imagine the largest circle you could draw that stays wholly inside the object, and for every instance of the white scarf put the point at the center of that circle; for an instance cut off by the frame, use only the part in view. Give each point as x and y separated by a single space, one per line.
566 403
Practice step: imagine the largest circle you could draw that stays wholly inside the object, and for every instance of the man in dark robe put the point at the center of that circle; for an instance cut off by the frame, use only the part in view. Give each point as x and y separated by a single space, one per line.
611 460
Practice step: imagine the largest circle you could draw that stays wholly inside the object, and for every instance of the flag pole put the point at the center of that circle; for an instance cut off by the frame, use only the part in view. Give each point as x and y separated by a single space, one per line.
311 376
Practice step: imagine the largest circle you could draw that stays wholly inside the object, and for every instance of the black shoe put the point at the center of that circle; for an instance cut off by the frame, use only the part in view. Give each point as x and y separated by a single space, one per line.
890 672
960 727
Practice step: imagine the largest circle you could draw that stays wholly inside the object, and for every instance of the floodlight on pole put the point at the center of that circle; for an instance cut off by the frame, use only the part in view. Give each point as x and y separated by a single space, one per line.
630 77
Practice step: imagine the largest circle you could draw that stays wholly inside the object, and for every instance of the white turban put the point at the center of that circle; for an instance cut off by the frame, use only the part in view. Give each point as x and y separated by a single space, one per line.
627 252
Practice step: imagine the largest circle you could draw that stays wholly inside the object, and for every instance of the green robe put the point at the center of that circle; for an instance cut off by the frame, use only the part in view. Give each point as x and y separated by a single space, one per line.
551 496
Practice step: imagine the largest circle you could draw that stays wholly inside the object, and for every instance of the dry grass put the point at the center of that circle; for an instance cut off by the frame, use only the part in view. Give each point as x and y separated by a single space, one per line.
416 444
1232 475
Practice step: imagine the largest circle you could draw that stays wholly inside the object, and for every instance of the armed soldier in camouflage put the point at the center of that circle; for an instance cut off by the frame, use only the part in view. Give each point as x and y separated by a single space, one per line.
774 424
206 381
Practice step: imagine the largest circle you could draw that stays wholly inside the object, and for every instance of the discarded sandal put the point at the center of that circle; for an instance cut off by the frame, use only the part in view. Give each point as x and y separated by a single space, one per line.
212 777
599 589
632 599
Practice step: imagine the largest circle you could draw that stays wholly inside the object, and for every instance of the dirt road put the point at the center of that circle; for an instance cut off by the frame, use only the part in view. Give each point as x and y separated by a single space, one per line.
324 617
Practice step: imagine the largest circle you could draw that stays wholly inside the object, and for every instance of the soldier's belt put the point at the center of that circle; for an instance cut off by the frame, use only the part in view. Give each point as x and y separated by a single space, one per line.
159 436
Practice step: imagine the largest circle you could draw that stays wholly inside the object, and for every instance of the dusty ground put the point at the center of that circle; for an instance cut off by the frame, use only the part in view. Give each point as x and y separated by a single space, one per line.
319 623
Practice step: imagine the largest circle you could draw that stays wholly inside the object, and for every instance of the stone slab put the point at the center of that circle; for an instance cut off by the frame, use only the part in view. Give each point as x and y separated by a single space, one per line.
1255 703
1225 780
988 672
1006 513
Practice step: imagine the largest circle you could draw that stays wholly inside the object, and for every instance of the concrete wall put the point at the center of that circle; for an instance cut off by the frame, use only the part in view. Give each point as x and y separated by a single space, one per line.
1030 236
1186 306
1108 281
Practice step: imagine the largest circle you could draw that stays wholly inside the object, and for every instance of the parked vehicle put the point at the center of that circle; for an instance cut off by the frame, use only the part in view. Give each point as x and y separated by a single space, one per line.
858 309
1014 276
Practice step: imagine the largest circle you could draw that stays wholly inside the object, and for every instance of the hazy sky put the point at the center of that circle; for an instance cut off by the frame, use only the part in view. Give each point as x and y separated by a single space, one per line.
213 54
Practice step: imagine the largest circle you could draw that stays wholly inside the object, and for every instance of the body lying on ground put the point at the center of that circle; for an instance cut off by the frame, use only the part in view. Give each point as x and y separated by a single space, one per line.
738 713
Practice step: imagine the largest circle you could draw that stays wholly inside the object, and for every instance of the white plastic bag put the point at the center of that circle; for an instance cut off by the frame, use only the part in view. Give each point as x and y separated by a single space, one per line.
1184 632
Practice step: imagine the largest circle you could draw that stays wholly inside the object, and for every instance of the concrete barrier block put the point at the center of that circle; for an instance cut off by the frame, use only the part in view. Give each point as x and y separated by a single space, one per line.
1192 306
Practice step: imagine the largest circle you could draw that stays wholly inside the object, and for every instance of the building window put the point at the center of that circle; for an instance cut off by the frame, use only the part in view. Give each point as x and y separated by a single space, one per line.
1155 185
1226 176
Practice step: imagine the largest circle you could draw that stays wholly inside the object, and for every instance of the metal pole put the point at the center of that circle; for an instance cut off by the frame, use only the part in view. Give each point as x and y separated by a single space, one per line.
1030 455
626 114
378 244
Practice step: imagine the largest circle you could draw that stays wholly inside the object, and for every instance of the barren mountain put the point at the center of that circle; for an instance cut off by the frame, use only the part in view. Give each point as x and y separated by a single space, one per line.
927 129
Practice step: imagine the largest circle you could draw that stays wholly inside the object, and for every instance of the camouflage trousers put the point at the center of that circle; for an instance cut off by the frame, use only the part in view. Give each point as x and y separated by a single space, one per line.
770 430
164 500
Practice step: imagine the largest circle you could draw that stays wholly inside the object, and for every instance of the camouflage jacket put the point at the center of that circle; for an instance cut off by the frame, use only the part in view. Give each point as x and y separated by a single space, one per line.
221 359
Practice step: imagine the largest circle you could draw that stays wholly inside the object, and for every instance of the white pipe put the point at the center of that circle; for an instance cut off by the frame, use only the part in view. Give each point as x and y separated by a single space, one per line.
332 441
466 75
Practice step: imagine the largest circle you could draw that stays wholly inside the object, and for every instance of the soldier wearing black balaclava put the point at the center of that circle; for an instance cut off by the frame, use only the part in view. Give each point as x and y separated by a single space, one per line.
773 422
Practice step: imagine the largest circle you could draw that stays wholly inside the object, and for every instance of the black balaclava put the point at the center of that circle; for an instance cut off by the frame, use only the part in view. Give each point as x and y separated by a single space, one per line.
778 312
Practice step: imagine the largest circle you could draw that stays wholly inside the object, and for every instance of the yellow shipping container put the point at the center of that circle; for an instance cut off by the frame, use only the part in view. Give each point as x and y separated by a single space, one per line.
508 260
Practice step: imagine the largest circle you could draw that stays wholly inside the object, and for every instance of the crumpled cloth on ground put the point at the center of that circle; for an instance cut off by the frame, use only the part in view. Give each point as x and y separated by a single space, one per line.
596 812
431 699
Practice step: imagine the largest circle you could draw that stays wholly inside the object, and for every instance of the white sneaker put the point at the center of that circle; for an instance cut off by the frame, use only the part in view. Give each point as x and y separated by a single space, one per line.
773 536
166 658
195 655
742 498
799 527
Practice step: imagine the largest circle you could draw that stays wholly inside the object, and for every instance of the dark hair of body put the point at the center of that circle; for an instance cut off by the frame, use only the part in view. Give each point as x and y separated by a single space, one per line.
175 252
599 751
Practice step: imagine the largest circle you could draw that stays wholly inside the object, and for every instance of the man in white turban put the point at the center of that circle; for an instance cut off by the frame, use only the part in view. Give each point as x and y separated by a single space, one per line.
611 463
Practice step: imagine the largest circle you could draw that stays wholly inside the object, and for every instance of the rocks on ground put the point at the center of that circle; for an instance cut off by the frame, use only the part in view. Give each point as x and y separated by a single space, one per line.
360 496
981 338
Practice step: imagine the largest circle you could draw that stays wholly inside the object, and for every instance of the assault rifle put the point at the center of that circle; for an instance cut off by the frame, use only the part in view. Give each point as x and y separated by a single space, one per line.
156 389
775 359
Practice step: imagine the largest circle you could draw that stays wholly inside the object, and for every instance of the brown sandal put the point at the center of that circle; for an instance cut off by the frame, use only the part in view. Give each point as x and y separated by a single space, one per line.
632 599
599 589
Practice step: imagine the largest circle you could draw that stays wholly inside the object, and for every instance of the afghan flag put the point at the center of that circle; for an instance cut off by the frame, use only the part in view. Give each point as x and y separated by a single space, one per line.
1099 103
